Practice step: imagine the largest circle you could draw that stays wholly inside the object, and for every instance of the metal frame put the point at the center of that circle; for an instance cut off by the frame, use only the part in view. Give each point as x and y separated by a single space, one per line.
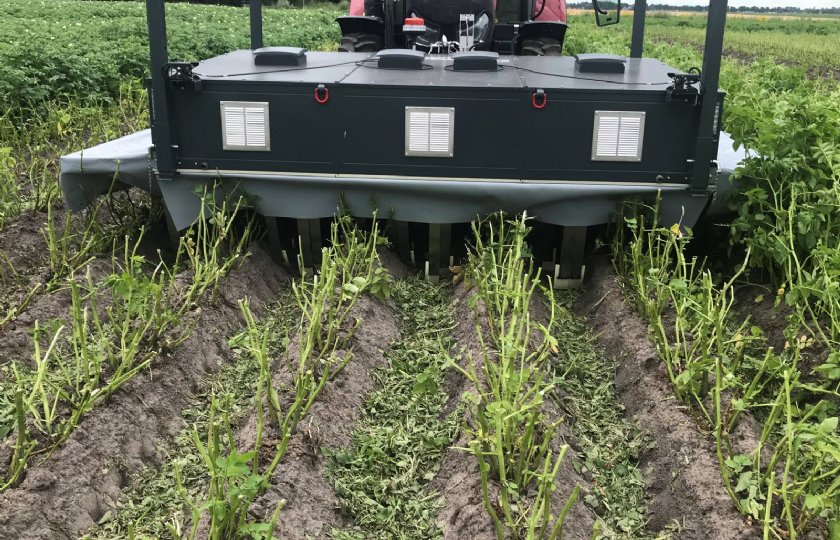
637 45
158 95
165 147
706 148
256 24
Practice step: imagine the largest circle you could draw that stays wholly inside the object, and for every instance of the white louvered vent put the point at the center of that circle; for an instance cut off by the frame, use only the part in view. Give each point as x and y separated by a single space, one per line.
245 125
429 131
618 136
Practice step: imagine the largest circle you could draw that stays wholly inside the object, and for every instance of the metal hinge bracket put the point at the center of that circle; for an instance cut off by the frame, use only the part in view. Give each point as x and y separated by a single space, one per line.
684 87
180 74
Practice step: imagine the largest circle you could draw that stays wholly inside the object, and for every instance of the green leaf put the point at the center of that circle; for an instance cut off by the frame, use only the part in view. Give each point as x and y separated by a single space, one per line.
830 370
678 284
744 481
829 425
738 462
813 502
351 288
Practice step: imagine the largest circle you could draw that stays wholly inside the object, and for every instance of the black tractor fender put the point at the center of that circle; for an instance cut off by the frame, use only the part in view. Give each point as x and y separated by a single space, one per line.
355 24
542 29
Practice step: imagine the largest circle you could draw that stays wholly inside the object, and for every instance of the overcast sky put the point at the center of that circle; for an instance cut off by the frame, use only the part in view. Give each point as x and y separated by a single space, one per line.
804 4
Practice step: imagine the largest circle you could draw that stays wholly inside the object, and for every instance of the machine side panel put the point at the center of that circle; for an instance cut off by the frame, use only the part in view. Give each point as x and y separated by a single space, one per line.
559 138
305 136
498 132
486 132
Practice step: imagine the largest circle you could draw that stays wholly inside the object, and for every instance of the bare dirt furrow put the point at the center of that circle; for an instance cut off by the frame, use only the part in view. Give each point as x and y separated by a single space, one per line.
682 476
71 491
312 507
23 253
22 242
459 482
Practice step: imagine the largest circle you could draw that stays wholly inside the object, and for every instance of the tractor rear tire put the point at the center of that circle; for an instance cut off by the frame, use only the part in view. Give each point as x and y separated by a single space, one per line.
543 46
360 42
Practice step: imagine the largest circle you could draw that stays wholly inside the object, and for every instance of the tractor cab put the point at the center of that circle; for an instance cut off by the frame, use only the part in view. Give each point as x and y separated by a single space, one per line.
521 27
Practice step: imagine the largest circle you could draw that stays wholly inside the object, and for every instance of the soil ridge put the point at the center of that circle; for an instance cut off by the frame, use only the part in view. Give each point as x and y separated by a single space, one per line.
311 506
71 491
683 480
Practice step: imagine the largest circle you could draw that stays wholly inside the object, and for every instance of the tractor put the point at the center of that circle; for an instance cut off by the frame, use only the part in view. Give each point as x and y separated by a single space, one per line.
431 113
509 27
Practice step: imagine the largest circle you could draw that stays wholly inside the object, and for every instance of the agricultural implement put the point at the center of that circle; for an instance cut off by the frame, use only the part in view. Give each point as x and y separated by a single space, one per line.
433 112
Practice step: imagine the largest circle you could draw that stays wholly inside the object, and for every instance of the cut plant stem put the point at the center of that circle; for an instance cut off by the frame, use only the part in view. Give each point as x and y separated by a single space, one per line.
509 435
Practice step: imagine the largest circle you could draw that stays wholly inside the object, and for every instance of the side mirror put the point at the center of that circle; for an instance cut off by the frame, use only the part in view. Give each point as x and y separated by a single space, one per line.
607 17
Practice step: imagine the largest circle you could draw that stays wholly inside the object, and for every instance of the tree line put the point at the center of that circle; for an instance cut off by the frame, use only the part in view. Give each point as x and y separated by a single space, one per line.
702 8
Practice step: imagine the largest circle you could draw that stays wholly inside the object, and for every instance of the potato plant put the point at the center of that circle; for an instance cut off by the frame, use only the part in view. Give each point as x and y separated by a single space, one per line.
718 364
510 436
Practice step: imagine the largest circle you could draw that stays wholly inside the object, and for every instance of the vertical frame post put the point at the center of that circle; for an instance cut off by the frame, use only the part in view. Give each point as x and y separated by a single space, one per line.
572 253
389 24
256 24
637 45
159 99
706 151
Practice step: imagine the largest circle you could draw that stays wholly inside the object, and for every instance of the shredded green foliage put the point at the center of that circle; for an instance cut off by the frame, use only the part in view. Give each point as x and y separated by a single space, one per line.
610 443
382 479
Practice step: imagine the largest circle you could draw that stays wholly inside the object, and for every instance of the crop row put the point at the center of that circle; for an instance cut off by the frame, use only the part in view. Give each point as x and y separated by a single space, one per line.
722 366
784 235
116 326
237 478
807 42
54 50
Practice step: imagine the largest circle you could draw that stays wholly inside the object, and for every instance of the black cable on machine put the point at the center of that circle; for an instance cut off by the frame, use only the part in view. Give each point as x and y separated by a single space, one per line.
542 7
281 70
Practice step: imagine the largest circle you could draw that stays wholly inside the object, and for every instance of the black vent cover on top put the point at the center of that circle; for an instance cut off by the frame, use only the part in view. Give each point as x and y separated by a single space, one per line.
280 56
400 59
600 63
475 61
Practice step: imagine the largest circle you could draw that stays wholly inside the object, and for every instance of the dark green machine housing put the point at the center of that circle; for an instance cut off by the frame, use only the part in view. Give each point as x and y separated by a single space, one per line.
437 139
499 133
